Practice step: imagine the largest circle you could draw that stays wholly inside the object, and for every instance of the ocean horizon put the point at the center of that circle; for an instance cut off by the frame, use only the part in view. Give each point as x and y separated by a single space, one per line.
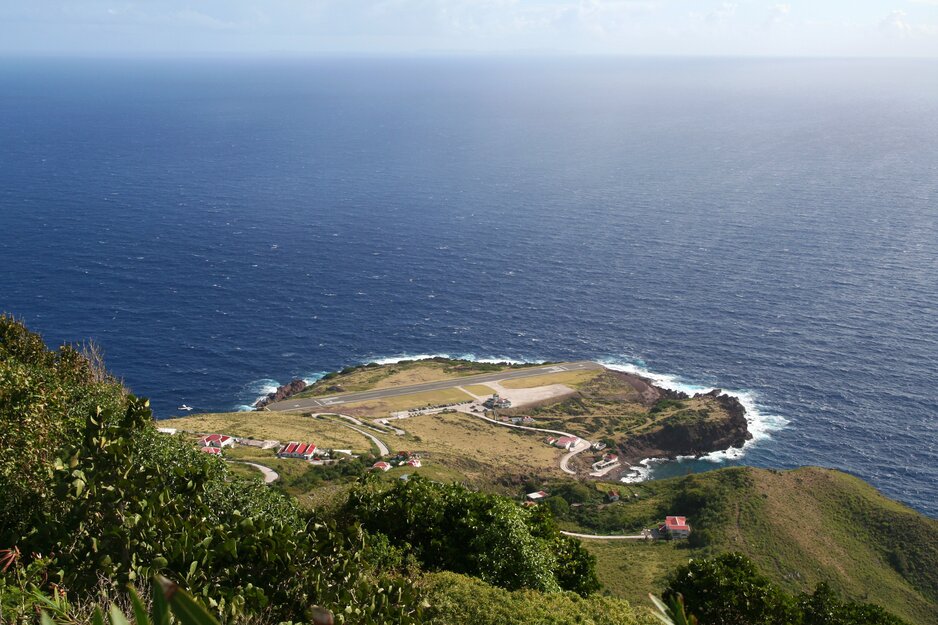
764 226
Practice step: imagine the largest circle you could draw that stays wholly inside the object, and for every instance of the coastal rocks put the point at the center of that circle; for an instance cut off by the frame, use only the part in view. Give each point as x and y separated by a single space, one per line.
695 437
282 392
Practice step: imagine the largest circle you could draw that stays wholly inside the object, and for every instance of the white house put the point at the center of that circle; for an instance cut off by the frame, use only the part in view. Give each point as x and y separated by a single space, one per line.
216 440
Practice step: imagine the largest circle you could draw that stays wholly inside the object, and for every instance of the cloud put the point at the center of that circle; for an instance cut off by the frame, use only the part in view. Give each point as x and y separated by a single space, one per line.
777 15
204 20
896 24
722 13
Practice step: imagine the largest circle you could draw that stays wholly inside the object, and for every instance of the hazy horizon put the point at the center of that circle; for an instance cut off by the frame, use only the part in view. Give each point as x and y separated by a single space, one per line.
314 28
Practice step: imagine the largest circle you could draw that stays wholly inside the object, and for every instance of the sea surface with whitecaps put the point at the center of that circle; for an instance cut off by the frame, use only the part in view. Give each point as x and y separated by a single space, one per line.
766 227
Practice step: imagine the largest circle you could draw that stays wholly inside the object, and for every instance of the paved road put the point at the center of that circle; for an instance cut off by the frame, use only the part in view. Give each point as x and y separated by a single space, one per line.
598 537
578 448
382 448
269 474
318 403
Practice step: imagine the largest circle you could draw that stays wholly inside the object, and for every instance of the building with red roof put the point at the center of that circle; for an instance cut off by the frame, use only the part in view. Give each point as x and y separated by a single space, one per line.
381 465
566 442
676 527
294 449
216 440
215 451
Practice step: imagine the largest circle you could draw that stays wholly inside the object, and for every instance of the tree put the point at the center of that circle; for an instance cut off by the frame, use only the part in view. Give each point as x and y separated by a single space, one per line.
451 528
728 590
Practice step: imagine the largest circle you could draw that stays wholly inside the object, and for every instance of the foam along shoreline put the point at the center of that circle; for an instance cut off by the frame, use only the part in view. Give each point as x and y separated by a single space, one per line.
759 424
263 387
390 360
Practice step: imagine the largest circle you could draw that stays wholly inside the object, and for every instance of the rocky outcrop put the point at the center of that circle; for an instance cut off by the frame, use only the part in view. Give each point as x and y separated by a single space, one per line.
695 437
282 392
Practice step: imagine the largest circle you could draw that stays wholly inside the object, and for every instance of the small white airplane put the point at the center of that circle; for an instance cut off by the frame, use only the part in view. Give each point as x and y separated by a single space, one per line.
184 407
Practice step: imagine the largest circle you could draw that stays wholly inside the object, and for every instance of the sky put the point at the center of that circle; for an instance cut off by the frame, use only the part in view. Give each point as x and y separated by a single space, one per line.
127 28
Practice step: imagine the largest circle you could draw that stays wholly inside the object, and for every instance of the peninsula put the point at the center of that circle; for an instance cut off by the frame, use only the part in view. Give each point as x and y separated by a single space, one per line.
578 418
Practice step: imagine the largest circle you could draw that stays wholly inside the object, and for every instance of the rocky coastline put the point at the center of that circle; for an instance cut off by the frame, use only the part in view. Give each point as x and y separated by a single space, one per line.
691 439
286 390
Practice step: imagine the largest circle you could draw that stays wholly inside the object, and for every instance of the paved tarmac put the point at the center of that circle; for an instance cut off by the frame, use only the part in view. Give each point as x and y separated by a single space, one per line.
334 401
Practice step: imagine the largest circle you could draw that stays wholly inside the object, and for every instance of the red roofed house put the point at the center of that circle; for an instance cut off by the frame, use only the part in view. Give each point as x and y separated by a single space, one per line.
566 442
216 440
381 466
414 462
215 451
297 450
676 527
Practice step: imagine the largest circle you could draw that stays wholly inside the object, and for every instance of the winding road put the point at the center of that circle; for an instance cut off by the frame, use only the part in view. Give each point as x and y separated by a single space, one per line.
382 448
580 447
269 474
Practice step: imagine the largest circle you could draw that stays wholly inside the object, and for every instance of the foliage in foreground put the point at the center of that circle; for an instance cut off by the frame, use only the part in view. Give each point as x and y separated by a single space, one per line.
449 527
101 495
728 590
460 599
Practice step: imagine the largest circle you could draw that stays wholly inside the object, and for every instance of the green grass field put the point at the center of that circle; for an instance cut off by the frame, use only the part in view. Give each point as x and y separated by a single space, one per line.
573 379
480 389
281 426
390 405
800 527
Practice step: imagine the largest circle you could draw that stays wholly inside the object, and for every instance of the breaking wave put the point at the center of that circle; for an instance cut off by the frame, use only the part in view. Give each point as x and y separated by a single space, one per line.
760 424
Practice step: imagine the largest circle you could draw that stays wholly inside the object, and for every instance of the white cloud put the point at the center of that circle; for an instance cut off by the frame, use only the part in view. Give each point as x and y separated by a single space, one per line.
722 13
203 20
897 24
778 15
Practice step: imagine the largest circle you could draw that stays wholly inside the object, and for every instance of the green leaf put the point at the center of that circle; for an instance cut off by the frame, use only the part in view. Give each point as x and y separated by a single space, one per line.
140 611
160 607
186 609
117 617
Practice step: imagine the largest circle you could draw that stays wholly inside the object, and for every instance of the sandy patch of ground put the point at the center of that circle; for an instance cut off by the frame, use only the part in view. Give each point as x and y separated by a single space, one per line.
522 396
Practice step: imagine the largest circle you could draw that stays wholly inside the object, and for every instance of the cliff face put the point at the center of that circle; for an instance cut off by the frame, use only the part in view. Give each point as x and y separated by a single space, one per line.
282 392
695 438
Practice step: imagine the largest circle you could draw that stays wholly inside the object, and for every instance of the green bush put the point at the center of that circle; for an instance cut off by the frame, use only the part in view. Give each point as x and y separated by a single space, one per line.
449 527
457 599
729 590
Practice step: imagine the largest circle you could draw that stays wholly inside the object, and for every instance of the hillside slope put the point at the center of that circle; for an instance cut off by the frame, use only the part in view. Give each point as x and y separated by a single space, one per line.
800 527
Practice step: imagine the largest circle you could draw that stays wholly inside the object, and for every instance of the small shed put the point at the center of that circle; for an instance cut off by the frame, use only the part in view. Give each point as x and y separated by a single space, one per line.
536 496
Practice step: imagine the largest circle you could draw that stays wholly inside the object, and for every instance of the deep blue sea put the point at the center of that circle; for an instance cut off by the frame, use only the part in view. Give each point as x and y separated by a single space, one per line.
765 226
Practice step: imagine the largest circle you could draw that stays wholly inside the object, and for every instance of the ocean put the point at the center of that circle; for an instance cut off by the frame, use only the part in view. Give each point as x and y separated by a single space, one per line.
768 227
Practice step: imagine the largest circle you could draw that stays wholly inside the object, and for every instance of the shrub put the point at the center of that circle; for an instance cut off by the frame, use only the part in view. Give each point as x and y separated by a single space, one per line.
449 527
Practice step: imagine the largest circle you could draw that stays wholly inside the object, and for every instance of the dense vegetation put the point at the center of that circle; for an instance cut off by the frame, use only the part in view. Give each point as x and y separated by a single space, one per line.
449 527
729 590
91 492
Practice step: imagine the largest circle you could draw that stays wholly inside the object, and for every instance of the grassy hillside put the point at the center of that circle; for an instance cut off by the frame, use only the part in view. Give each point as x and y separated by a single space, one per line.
800 527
